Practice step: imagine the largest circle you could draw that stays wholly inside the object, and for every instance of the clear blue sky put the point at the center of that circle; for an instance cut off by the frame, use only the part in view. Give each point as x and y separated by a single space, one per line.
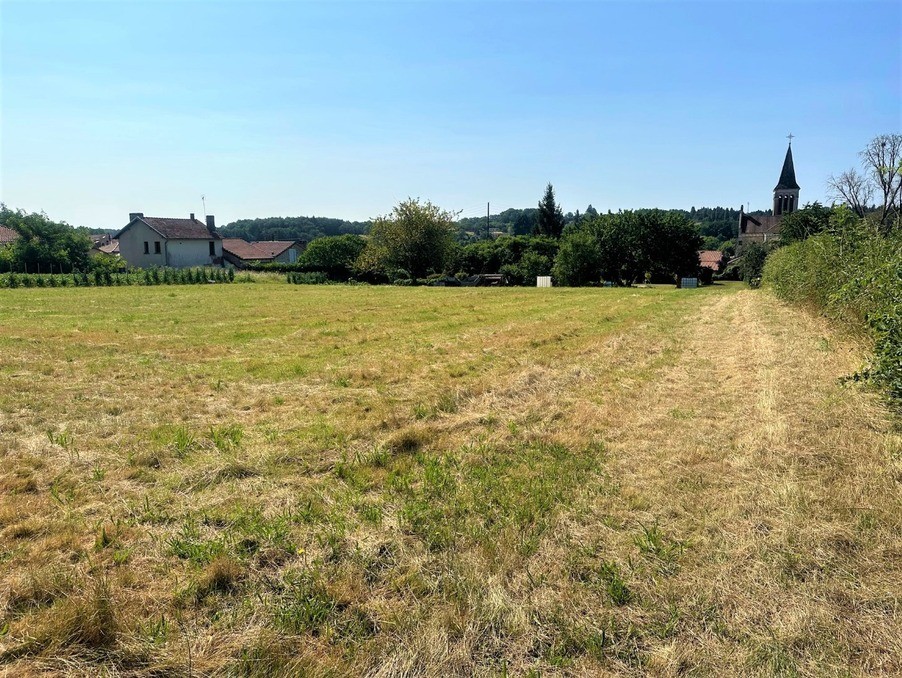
344 108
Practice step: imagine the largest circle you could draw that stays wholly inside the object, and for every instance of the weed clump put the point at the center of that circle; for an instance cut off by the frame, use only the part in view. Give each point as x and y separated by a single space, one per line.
612 580
35 589
407 441
85 619
227 436
305 604
653 542
189 545
95 625
235 470
222 575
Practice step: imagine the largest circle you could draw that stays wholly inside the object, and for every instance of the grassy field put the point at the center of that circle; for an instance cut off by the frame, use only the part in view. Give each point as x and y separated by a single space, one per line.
264 479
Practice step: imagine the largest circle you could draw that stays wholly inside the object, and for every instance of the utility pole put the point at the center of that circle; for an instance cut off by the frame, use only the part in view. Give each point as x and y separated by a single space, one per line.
488 236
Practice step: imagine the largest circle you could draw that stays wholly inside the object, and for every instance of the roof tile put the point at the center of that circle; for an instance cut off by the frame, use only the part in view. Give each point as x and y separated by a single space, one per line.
179 229
273 247
245 250
711 259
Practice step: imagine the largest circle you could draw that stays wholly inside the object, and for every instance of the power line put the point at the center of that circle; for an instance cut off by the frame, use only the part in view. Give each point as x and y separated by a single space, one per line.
468 211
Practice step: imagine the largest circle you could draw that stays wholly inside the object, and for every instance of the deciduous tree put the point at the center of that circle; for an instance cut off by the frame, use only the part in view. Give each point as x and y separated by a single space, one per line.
628 245
44 245
333 255
804 223
753 257
579 260
852 188
416 239
881 177
882 160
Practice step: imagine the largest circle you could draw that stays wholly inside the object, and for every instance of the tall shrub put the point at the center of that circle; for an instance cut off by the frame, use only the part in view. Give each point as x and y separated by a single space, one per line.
417 238
853 274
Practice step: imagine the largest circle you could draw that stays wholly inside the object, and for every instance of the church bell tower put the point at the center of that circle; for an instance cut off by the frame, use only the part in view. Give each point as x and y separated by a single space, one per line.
786 192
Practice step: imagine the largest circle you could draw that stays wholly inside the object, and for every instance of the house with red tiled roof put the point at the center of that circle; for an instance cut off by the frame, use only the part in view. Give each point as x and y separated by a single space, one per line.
7 236
239 252
712 259
149 242
710 262
281 251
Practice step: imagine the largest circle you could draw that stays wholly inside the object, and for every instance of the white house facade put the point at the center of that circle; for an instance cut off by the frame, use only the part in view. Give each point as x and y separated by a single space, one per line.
148 242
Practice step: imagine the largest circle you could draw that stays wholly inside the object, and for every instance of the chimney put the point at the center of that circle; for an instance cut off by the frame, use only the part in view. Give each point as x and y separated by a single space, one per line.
192 216
135 215
211 223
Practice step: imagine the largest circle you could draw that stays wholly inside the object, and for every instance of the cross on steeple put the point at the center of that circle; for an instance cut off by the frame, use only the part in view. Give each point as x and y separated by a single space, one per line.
791 135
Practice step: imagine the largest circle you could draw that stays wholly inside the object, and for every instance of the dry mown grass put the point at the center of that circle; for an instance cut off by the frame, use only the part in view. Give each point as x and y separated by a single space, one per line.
266 479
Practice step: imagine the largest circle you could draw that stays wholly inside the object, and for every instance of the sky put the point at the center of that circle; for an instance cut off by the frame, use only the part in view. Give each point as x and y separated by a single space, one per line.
343 109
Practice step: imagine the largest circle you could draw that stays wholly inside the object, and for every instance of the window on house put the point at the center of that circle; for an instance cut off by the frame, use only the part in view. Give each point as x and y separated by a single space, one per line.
146 247
156 247
212 248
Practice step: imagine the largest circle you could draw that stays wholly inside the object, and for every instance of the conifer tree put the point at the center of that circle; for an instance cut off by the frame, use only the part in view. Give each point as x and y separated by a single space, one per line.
550 220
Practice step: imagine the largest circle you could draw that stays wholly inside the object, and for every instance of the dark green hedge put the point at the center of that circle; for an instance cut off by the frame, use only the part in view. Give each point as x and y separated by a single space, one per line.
854 274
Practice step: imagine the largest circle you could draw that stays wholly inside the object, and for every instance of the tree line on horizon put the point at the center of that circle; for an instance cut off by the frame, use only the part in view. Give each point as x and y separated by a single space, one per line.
417 243
292 228
419 240
717 225
342 250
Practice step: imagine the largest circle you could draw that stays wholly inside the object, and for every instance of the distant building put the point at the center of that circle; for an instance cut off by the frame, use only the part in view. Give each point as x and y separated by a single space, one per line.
710 263
764 228
7 236
111 248
281 251
148 242
713 260
103 243
240 252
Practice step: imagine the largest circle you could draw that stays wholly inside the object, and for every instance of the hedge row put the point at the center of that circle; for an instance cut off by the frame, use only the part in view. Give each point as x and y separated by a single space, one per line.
155 276
280 267
307 278
853 274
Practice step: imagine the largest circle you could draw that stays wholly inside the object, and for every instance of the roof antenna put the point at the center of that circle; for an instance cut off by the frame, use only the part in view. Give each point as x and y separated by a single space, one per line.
203 201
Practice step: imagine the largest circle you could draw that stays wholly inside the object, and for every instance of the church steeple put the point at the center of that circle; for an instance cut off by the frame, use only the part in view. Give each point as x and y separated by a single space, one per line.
786 192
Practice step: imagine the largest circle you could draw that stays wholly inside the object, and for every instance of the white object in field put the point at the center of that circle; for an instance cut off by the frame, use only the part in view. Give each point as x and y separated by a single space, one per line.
543 281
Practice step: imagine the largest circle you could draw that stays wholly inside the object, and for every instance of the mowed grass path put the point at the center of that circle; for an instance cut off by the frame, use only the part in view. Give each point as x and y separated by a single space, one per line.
264 479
